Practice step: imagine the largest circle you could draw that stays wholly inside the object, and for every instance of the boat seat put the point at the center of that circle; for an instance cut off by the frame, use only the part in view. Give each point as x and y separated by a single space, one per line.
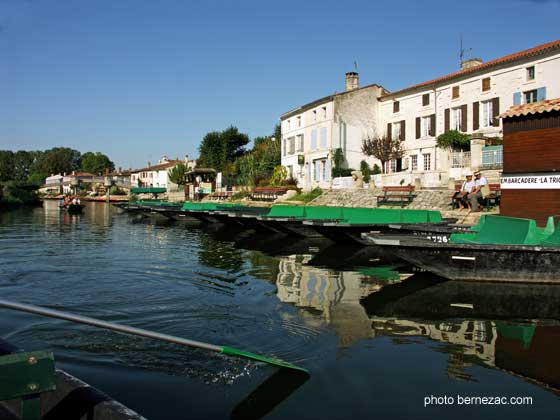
501 230
554 238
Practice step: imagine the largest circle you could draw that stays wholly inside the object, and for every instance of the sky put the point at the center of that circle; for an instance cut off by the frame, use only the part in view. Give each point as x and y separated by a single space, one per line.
140 79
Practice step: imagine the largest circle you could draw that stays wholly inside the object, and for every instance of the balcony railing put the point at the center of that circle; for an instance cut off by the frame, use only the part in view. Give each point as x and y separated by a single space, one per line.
460 159
492 157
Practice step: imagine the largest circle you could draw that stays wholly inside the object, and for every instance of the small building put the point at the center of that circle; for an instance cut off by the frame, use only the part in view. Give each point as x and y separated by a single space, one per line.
530 181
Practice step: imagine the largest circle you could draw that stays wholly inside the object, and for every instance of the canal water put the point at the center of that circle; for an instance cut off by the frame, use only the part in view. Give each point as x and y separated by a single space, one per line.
380 339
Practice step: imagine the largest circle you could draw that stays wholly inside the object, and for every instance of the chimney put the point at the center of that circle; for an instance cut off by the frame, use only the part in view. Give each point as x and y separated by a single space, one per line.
120 170
351 80
471 62
149 164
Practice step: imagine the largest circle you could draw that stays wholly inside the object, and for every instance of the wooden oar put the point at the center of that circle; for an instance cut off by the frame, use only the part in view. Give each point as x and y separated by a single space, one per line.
144 333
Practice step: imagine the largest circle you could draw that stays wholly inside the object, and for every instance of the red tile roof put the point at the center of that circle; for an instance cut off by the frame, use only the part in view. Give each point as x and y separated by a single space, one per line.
506 59
158 167
533 108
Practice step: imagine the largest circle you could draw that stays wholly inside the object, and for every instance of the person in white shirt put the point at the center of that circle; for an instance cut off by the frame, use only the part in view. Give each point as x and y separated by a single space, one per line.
479 182
461 197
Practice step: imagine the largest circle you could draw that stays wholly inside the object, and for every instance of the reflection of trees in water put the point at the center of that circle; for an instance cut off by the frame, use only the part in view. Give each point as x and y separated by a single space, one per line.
218 254
263 266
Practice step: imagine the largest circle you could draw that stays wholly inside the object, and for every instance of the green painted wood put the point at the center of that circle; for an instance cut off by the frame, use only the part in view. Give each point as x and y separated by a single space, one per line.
26 373
502 230
31 408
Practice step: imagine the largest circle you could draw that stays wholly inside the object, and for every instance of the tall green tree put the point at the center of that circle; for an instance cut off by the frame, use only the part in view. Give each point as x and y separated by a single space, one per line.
178 175
6 165
59 160
220 147
25 164
96 163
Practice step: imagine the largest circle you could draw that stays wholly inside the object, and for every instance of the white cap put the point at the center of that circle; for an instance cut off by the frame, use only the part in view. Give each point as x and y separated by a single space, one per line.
468 173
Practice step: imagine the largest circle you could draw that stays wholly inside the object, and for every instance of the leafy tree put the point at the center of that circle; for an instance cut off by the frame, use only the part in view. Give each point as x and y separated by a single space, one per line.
96 163
454 140
178 175
383 148
279 176
58 160
376 169
6 165
338 162
220 147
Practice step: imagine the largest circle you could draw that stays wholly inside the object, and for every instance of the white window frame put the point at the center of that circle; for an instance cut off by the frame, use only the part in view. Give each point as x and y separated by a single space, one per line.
299 142
291 145
289 124
324 112
427 161
414 162
528 71
426 126
396 131
456 118
299 121
486 114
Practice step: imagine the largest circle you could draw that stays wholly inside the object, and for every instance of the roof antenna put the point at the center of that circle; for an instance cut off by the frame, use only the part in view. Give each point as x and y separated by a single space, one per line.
355 66
462 52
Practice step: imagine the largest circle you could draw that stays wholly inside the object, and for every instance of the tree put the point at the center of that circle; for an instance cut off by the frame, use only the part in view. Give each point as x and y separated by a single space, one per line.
178 175
366 171
220 147
6 165
96 163
58 160
454 140
383 148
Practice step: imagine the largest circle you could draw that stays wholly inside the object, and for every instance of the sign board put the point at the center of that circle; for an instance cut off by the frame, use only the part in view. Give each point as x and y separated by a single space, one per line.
550 181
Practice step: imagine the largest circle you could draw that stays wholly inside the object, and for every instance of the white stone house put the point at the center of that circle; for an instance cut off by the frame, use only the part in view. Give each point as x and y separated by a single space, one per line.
158 175
468 101
312 132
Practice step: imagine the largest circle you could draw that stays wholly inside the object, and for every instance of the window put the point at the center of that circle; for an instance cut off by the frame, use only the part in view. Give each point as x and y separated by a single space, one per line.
290 170
289 124
455 93
530 71
414 162
485 84
530 96
391 166
314 115
300 142
426 126
299 121
486 114
284 146
323 170
427 161
292 145
456 119
396 131
324 112
396 106
426 99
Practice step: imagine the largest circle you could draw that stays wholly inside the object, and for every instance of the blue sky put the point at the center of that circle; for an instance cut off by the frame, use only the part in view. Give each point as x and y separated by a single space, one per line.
140 79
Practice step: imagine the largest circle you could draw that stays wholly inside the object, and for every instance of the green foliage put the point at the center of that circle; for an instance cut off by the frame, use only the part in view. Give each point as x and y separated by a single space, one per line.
58 160
6 165
376 169
258 164
114 190
132 198
279 176
240 195
336 172
220 147
454 140
307 197
366 171
383 148
14 193
96 163
494 141
337 158
178 174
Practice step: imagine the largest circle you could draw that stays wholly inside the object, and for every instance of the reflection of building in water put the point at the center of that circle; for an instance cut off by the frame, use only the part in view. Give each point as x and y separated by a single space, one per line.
525 350
335 294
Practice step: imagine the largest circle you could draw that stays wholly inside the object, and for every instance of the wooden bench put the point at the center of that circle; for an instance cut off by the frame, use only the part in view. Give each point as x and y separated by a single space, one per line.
493 199
267 193
401 194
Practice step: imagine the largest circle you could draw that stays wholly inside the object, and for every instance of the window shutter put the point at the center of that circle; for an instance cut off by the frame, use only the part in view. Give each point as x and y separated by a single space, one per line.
464 118
475 115
389 130
541 94
418 135
517 98
317 170
328 170
433 125
446 122
495 112
403 135
323 137
314 139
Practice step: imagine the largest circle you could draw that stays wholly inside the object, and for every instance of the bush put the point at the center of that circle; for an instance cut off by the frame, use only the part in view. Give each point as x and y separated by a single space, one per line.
366 171
376 169
307 197
18 194
240 195
265 182
291 181
336 172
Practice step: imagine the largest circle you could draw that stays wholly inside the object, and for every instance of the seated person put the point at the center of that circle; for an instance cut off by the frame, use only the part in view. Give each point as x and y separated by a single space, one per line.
476 196
461 197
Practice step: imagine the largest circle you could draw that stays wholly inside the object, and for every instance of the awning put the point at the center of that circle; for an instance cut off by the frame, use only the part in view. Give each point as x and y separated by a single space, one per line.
148 190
